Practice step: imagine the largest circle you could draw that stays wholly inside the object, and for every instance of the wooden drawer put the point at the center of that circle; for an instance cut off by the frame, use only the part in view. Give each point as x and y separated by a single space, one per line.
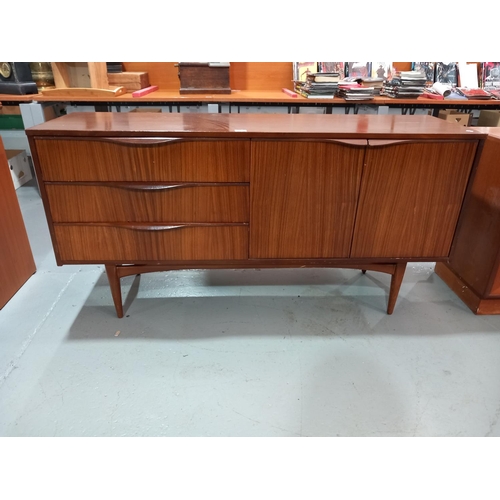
148 160
137 243
133 202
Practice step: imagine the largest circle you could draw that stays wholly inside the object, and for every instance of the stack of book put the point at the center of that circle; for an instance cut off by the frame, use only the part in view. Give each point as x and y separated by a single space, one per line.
355 92
376 83
319 85
405 85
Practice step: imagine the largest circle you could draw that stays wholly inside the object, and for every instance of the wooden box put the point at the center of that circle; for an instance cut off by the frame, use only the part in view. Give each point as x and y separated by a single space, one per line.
204 77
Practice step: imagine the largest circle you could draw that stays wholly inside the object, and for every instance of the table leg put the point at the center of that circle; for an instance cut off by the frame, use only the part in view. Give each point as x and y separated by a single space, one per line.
116 291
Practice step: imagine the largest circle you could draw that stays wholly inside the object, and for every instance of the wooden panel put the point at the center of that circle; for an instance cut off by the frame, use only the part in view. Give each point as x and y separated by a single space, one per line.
98 75
190 161
495 287
260 76
126 243
476 253
252 76
148 202
16 259
303 198
410 199
163 74
254 125
476 303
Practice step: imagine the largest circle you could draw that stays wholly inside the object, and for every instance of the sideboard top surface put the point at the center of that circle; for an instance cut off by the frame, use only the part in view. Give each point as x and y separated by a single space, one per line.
106 124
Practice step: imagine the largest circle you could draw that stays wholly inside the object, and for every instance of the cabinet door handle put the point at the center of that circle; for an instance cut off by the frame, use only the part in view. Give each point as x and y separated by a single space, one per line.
350 142
142 141
376 143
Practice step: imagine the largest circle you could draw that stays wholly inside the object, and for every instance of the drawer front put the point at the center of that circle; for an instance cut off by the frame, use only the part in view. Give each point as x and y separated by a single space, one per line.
122 202
136 243
169 160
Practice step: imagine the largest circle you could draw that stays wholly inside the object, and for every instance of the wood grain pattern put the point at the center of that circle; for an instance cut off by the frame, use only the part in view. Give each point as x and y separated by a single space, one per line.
303 198
134 244
120 202
16 259
476 253
131 80
98 75
252 76
188 161
253 125
410 199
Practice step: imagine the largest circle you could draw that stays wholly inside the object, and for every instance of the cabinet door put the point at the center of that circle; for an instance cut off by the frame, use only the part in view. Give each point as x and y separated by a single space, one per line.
411 196
303 198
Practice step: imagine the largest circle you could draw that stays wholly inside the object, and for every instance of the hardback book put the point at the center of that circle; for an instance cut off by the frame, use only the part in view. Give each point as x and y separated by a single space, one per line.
490 72
475 93
447 72
332 67
429 68
324 77
495 93
381 70
356 93
358 69
302 69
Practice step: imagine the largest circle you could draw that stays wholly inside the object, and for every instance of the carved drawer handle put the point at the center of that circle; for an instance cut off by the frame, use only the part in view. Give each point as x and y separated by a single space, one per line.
142 141
350 142
151 228
150 187
374 143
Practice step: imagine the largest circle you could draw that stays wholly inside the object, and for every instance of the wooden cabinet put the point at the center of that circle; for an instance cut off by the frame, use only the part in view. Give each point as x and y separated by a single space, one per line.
473 269
16 259
148 193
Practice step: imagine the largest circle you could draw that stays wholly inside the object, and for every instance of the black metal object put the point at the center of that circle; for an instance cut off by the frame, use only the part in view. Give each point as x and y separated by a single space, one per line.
16 79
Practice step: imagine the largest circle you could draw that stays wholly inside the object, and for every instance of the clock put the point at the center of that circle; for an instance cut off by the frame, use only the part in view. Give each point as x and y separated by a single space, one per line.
16 78
5 70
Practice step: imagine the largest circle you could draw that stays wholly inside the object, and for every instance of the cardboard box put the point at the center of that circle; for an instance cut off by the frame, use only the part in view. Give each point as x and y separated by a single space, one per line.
19 166
451 115
489 118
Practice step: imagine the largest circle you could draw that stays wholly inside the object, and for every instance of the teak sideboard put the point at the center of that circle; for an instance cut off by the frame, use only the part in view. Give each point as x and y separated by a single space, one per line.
148 192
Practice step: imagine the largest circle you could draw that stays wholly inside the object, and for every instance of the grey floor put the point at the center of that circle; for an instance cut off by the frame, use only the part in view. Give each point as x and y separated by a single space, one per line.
304 352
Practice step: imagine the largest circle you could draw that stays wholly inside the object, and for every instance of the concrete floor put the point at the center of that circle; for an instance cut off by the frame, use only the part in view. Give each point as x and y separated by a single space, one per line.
303 352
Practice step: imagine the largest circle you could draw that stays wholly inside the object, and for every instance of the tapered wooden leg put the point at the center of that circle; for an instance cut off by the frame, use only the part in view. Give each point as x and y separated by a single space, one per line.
397 278
116 290
363 271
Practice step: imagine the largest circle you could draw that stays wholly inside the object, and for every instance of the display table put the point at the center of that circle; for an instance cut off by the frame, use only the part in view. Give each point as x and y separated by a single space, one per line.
148 192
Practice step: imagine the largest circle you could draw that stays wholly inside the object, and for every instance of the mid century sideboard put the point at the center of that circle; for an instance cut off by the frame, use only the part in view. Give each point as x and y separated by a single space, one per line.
145 192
